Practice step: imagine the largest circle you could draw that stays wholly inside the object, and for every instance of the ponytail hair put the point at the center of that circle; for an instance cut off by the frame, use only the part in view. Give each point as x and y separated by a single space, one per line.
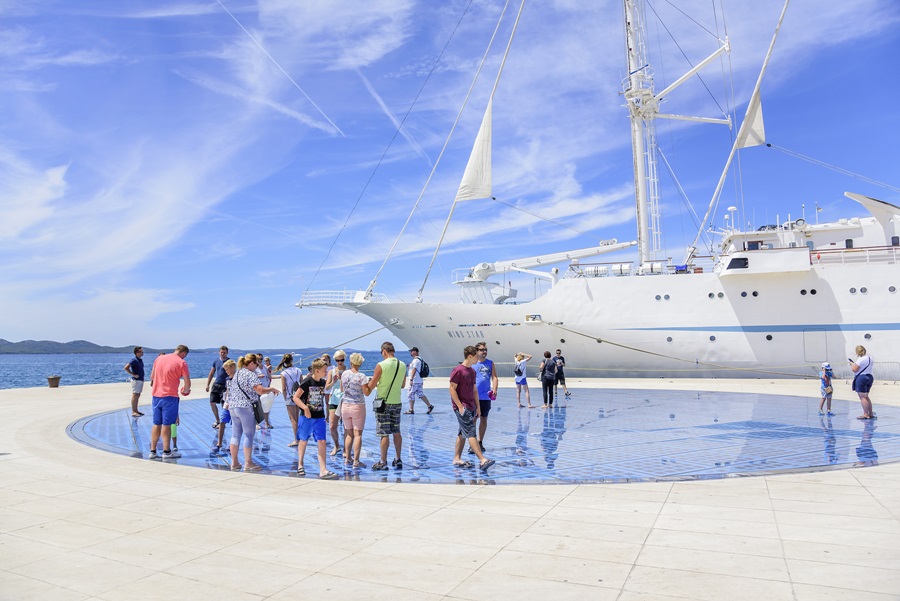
286 361
247 359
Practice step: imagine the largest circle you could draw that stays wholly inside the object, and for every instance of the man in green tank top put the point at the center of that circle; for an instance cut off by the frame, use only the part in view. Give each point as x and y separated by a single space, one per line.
390 379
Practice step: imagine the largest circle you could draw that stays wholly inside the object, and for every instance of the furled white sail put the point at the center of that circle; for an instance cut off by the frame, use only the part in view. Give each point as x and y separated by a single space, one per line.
752 131
476 181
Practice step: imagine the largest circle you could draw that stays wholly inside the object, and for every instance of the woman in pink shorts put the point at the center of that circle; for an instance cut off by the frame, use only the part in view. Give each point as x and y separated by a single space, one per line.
353 409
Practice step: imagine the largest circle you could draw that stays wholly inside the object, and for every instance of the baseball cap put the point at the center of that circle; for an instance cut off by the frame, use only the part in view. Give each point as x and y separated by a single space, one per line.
826 365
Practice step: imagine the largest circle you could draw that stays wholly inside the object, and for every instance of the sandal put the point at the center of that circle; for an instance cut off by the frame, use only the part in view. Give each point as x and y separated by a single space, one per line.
236 468
136 414
254 468
328 476
381 465
301 471
215 425
358 464
293 444
335 451
430 409
487 463
410 412
464 464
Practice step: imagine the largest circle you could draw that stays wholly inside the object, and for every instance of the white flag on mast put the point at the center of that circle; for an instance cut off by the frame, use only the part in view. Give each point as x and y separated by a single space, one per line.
752 131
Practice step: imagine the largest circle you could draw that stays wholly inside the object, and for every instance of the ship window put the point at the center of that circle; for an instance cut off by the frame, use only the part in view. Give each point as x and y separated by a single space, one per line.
658 297
848 243
755 293
744 294
803 292
497 342
711 295
895 240
892 289
536 341
868 337
853 291
863 290
668 339
721 295
666 297
753 245
562 340
712 338
739 263
768 337
812 291
810 244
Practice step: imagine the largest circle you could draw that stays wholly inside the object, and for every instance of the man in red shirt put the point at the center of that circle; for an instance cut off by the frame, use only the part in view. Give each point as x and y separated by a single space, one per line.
464 396
168 371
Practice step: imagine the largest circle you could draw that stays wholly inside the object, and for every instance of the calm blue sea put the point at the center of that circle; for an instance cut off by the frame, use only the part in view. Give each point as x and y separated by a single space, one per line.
27 371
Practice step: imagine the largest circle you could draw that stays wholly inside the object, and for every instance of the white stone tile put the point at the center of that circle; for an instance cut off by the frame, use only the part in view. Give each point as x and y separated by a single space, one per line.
13 519
715 512
82 572
242 573
704 586
863 557
808 592
346 587
570 546
714 526
407 549
614 517
714 562
160 586
492 585
145 552
15 587
589 572
705 541
870 579
417 575
599 532
121 520
284 552
858 522
17 551
68 535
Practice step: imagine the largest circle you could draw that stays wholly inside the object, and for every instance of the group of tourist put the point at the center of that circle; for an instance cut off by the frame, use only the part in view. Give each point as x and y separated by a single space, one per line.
551 373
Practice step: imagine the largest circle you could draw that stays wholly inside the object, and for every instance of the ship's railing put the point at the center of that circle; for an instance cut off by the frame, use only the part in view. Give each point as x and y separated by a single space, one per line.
855 256
338 297
620 268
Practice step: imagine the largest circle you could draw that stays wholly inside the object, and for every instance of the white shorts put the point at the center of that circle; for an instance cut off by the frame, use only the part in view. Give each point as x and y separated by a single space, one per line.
137 386
415 392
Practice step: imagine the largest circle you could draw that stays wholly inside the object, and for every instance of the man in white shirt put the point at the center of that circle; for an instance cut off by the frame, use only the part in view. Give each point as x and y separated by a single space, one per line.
415 379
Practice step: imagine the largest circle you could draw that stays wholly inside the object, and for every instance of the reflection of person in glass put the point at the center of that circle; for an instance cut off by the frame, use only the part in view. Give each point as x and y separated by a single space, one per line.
554 426
865 452
831 455
522 438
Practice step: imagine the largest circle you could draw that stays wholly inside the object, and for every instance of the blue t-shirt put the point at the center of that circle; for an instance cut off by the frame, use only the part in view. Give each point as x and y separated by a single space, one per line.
137 368
483 371
220 371
560 364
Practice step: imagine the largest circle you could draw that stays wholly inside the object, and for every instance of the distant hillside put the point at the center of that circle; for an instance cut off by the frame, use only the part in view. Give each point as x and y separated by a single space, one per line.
49 347
45 347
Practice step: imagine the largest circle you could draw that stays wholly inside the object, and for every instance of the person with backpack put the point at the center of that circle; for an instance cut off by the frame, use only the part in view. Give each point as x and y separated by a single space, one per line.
548 379
520 359
418 369
290 380
825 388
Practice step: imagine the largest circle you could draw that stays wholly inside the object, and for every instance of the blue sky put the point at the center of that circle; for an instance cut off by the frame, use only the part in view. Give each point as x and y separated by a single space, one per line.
176 172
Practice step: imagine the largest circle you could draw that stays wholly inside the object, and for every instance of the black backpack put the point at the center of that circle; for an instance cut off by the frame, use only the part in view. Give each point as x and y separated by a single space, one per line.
425 371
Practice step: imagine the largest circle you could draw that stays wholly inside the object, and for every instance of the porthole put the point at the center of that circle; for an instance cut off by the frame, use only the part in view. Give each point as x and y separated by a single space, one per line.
658 297
803 292
668 339
892 289
561 341
768 337
744 294
497 342
666 296
755 293
868 337
711 295
536 341
863 290
712 338
853 291
721 295
812 291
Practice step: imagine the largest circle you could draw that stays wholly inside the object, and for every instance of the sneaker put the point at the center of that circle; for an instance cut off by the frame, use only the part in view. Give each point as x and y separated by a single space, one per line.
216 448
568 394
397 464
821 412
170 455
175 450
830 414
471 451
153 455
381 465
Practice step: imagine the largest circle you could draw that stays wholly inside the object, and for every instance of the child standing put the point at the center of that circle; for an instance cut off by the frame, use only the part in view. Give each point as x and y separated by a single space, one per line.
826 388
310 398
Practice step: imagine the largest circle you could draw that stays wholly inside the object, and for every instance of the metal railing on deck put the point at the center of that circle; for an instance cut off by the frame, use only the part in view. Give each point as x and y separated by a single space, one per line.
338 297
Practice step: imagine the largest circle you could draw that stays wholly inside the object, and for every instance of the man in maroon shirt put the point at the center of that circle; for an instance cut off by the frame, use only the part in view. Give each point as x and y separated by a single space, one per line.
464 395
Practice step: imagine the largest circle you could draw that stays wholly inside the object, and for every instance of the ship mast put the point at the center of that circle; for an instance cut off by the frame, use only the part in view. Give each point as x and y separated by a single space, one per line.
642 109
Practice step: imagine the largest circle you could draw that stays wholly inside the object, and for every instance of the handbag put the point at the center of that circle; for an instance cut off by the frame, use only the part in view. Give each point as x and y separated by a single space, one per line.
829 389
379 405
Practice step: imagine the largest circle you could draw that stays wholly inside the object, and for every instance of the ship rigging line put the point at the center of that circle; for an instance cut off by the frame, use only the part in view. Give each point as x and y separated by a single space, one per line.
834 168
673 358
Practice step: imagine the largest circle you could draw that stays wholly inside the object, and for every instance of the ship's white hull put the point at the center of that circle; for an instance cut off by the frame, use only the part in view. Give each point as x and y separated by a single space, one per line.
703 325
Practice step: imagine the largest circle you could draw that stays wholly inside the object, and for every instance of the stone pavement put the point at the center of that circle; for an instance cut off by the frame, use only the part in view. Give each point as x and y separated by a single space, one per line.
77 523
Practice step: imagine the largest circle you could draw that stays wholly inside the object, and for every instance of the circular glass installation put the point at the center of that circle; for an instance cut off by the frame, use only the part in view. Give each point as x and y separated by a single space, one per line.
596 436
